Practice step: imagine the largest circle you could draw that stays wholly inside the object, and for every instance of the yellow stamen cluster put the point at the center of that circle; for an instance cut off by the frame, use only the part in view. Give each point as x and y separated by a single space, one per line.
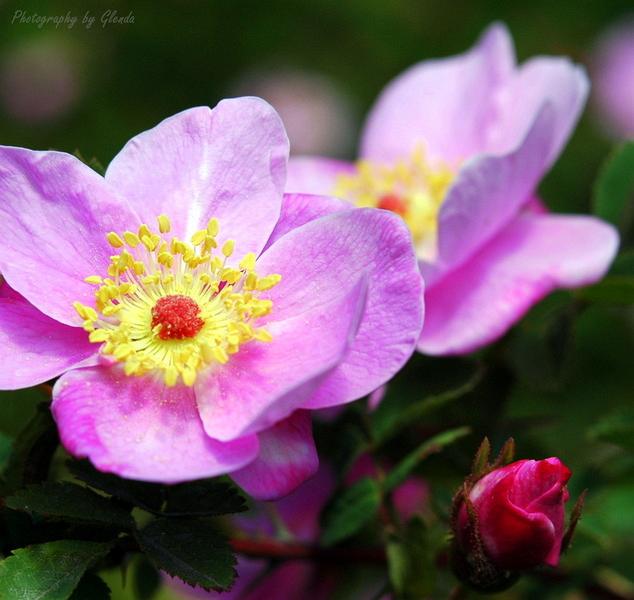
413 188
149 267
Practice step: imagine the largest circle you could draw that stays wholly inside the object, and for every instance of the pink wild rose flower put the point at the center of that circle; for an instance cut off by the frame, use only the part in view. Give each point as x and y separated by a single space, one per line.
613 75
195 313
457 147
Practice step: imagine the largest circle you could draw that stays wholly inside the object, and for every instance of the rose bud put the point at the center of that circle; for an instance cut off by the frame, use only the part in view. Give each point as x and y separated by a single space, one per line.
510 520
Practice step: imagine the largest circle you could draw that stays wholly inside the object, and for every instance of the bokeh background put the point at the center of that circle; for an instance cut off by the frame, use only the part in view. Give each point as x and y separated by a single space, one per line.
321 63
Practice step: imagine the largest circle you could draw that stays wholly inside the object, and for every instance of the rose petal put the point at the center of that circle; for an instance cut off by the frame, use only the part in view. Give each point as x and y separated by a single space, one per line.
513 538
444 105
33 347
265 382
478 302
315 175
299 209
487 193
228 162
545 80
54 215
287 458
136 427
320 259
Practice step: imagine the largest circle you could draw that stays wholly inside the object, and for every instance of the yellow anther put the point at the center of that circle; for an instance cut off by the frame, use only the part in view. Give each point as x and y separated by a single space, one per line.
251 281
228 248
170 376
138 267
132 239
114 240
266 283
262 335
94 280
148 242
231 275
144 230
165 258
177 246
164 224
99 335
122 351
189 376
213 227
248 262
210 243
220 355
111 309
199 237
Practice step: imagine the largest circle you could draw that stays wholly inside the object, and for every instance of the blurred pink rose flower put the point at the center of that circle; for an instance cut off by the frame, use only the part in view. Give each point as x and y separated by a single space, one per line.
612 68
316 113
457 147
40 81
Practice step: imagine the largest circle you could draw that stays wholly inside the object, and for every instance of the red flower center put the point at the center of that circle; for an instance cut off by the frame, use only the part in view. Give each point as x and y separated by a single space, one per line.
394 203
178 317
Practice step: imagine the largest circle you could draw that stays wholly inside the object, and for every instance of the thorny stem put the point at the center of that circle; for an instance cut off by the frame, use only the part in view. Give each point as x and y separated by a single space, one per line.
294 551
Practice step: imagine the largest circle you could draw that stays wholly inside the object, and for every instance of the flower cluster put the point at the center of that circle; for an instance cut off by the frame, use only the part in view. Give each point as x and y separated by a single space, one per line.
200 300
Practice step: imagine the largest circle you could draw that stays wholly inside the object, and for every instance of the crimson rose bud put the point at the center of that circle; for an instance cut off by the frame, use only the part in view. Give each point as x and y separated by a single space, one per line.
515 515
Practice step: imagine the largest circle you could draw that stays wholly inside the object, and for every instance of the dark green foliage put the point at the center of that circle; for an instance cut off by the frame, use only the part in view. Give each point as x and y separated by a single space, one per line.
68 501
355 507
191 549
48 571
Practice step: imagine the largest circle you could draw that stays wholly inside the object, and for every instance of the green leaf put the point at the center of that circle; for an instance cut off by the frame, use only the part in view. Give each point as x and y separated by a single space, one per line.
91 587
6 444
32 452
207 497
68 501
435 444
351 510
48 571
615 289
440 382
148 496
616 428
614 188
411 562
481 459
191 549
146 580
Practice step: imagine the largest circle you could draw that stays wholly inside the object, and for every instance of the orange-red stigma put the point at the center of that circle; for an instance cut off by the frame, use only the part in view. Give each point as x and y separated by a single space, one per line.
178 317
394 203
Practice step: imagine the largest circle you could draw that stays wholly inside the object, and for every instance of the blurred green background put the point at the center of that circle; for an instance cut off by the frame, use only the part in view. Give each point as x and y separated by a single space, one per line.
322 64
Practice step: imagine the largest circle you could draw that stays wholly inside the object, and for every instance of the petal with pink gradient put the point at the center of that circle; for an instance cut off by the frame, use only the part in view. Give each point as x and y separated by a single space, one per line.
446 105
543 80
33 347
320 259
265 382
228 162
487 193
54 215
136 427
287 458
298 209
534 255
315 175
